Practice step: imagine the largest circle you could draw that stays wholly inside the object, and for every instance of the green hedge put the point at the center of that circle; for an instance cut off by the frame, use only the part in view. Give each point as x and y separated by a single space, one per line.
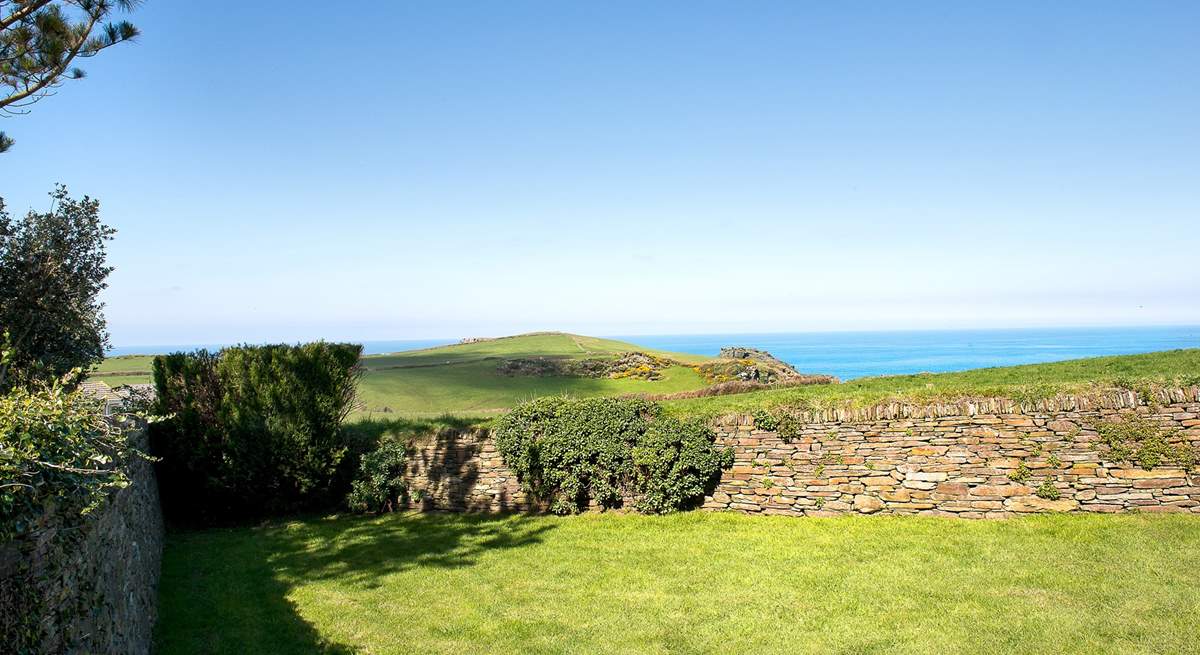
252 430
609 450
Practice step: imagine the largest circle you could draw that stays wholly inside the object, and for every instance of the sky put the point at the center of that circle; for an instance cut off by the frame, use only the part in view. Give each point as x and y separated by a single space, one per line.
286 171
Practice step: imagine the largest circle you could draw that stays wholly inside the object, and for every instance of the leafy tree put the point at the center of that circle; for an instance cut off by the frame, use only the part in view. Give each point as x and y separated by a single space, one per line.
40 39
52 269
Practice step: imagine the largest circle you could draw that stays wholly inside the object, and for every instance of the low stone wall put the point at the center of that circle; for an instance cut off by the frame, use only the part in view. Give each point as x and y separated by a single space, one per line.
462 471
956 460
939 459
102 595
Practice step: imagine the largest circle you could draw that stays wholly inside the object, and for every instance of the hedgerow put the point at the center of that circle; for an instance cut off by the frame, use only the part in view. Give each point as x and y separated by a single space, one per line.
608 450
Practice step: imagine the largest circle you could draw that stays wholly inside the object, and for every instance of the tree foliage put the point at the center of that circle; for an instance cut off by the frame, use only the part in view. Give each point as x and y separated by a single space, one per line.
608 450
52 269
251 430
40 40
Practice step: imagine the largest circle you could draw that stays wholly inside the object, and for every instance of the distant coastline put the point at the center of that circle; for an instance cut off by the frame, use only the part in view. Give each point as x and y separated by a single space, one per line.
850 355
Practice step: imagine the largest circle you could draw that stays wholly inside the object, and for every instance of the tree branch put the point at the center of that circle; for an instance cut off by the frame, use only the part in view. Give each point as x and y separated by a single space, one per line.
50 79
20 14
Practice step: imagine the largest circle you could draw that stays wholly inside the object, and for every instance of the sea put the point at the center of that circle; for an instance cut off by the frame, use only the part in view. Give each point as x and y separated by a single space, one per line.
850 355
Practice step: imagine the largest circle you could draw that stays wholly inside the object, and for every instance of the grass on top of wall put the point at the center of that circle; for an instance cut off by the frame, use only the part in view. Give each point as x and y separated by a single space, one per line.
686 583
1026 382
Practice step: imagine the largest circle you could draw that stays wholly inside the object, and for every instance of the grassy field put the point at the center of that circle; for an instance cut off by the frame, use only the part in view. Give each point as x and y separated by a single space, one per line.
1030 381
462 379
686 583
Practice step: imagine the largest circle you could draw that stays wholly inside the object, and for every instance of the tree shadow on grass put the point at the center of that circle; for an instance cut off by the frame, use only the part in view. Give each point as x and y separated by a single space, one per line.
227 591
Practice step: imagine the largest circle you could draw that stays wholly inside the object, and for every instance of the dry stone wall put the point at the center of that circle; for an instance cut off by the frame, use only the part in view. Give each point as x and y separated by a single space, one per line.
462 471
939 459
101 596
959 460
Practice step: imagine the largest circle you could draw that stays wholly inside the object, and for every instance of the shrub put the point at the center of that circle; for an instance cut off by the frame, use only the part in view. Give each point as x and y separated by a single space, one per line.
606 449
380 481
251 430
674 463
56 450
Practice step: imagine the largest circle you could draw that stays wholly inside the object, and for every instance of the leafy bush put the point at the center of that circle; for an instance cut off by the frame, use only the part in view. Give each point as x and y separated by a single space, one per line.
607 450
56 450
380 481
251 430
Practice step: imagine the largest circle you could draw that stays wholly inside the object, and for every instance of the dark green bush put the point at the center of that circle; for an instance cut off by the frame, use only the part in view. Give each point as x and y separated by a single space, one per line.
380 481
252 430
607 450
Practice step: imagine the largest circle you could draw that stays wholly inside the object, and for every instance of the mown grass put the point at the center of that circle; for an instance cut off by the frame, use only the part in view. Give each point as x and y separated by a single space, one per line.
687 583
1026 382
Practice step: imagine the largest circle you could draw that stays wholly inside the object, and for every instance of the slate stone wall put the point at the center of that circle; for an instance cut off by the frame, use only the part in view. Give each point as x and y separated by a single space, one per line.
956 459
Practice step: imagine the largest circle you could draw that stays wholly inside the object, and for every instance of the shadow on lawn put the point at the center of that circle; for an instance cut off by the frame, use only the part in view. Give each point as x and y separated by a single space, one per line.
234 593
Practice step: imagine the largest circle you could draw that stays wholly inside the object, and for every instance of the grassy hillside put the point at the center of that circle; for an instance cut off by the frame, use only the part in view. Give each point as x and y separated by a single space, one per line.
1174 367
124 369
462 379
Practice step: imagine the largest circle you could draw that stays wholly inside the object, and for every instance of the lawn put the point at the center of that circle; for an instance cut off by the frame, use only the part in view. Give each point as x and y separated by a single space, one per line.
686 583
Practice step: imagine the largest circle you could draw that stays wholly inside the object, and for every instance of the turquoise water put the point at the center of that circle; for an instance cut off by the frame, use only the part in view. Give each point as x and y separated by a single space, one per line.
850 355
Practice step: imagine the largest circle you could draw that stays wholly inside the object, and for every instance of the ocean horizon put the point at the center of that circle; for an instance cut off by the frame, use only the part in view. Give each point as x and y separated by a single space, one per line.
850 355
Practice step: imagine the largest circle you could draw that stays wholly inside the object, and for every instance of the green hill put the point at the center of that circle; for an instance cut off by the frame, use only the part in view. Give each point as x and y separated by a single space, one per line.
466 379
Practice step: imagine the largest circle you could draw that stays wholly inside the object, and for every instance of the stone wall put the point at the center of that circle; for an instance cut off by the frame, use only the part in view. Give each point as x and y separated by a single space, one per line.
462 471
939 459
956 460
101 596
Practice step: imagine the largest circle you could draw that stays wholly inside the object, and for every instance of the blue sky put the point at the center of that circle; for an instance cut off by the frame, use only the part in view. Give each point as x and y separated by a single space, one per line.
283 171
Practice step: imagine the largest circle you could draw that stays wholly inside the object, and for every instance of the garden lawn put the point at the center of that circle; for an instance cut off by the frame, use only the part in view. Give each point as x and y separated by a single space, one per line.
687 583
